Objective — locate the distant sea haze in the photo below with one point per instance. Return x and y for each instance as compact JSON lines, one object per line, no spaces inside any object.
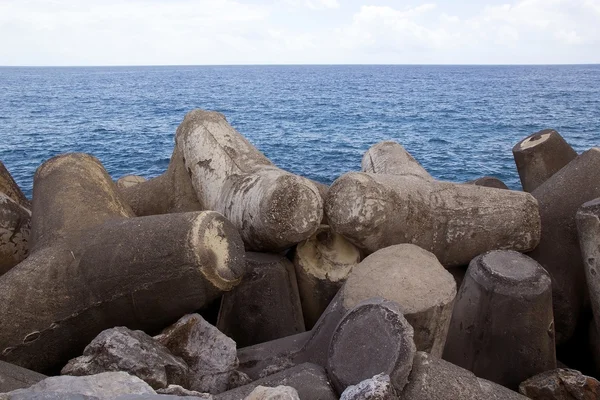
{"x":460,"y":122}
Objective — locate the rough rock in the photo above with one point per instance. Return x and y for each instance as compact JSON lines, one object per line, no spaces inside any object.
{"x":177,"y":390}
{"x":378,"y":387}
{"x":273,"y":393}
{"x":210,"y":354}
{"x":13,"y":377}
{"x":107,"y":385}
{"x":561,"y":384}
{"x":121,"y":349}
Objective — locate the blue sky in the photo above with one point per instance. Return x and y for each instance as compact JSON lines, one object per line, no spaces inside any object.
{"x":175,"y":32}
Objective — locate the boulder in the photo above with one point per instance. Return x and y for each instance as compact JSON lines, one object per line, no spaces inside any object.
{"x":561,"y":384}
{"x":13,"y":377}
{"x":273,"y":393}
{"x":176,"y":390}
{"x":378,"y":387}
{"x":15,"y":228}
{"x":134,"y":352}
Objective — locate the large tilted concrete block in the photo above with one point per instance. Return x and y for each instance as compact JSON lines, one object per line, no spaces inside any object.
{"x":434,"y":379}
{"x":272,"y":209}
{"x":404,"y":274}
{"x":93,"y":268}
{"x":373,"y":338}
{"x":15,"y":228}
{"x":127,"y":181}
{"x":170,"y":192}
{"x":390,"y":158}
{"x":13,"y":377}
{"x":456,"y":222}
{"x":541,"y":155}
{"x":323,"y":263}
{"x":488,"y":181}
{"x":502,"y":326}
{"x":558,"y":252}
{"x":309,"y":380}
{"x":588,"y":228}
{"x":265,"y":305}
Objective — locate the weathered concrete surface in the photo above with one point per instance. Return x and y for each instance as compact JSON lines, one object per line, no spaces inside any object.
{"x":9,"y":187}
{"x":502,"y":326}
{"x":539,"y":156}
{"x":15,"y":228}
{"x":170,"y":192}
{"x":559,"y":252}
{"x":265,"y":305}
{"x":413,"y":278}
{"x":129,"y":181}
{"x":560,"y":384}
{"x":13,"y":377}
{"x":323,"y":263}
{"x":92,"y":268}
{"x":107,"y":385}
{"x":272,"y":209}
{"x":405,"y":274}
{"x":273,"y":393}
{"x":456,"y":222}
{"x":373,"y":338}
{"x":488,"y":181}
{"x":210,"y":354}
{"x":378,"y":387}
{"x":588,"y":229}
{"x":435,"y":379}
{"x":390,"y":158}
{"x":309,"y":380}
{"x":134,"y":352}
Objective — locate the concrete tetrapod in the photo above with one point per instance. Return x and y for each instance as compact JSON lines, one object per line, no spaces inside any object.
{"x":456,"y":222}
{"x":265,"y":305}
{"x":541,"y":155}
{"x":373,"y":338}
{"x":559,"y":252}
{"x":502,"y":326}
{"x":129,"y":181}
{"x":170,"y":192}
{"x":588,"y":228}
{"x":93,"y":268}
{"x":15,"y":228}
{"x":323,"y":263}
{"x":404,"y":274}
{"x":272,"y":209}
{"x":434,"y":379}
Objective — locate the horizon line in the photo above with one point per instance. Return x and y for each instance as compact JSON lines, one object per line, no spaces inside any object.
{"x":299,"y":65}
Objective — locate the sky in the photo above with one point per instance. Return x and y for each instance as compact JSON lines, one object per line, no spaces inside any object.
{"x":223,"y":32}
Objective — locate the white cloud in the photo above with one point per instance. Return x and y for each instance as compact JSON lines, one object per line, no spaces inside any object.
{"x":315,"y":4}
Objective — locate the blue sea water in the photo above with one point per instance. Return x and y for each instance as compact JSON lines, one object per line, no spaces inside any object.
{"x":460,"y":122}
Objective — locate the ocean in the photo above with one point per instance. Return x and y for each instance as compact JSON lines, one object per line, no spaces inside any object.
{"x":459,"y":122}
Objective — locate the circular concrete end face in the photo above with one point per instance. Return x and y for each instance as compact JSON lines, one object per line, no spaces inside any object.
{"x":371,"y":339}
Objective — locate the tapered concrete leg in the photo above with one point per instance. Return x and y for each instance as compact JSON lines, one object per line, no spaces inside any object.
{"x":558,"y":252}
{"x":390,"y":158}
{"x":456,"y":222}
{"x":323,"y":263}
{"x":374,"y":337}
{"x":272,"y":209}
{"x":502,"y":327}
{"x":13,"y":377}
{"x":266,"y":305}
{"x":435,"y":379}
{"x":129,"y":181}
{"x":488,"y":181}
{"x":9,"y":187}
{"x":15,"y":227}
{"x":588,"y":228}
{"x":92,"y":268}
{"x":541,"y":155}
{"x":404,"y":274}
{"x":170,"y":192}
